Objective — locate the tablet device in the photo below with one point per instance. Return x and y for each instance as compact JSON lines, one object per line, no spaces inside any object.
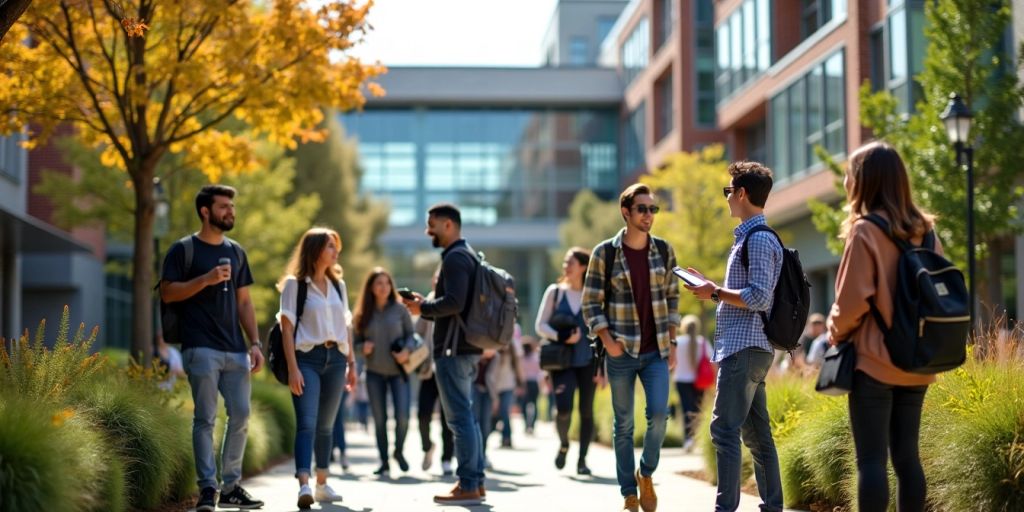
{"x":687,"y":277}
{"x":406,"y":294}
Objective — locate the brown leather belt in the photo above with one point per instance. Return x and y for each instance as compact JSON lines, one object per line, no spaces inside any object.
{"x":330,"y":344}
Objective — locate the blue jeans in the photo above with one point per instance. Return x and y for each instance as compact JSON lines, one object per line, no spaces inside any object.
{"x":483,"y":405}
{"x":455,"y":376}
{"x":505,"y":401}
{"x":339,"y":423}
{"x":377,"y":387}
{"x":622,"y":373}
{"x":211,"y":371}
{"x":741,"y":409}
{"x":323,"y":375}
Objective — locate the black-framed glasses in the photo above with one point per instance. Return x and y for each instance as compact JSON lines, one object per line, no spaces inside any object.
{"x":644,"y":209}
{"x":728,"y":190}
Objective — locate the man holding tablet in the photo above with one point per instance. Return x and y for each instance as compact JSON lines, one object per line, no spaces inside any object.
{"x":742,"y":350}
{"x":631,"y":303}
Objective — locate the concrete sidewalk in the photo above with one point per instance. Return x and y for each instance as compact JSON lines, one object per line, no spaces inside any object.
{"x":524,"y":478}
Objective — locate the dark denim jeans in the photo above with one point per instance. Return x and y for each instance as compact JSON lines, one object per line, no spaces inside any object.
{"x":339,"y":423}
{"x":211,"y":371}
{"x":323,"y":373}
{"x":455,"y":376}
{"x":741,"y":408}
{"x":483,"y":407}
{"x":377,"y":387}
{"x":622,"y":374}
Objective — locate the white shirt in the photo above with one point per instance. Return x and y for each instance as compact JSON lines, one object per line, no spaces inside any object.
{"x":325,"y":317}
{"x":686,"y":370}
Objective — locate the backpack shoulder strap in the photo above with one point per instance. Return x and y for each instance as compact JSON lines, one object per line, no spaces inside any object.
{"x":745,"y":255}
{"x":903,"y":245}
{"x":239,"y":253}
{"x":190,"y":250}
{"x":610,"y":253}
{"x":662,"y":247}
{"x":300,"y":302}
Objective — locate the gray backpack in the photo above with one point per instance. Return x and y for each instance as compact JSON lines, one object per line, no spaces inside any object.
{"x":491,"y":317}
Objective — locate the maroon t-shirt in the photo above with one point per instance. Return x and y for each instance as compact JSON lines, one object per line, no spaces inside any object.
{"x":640,"y":275}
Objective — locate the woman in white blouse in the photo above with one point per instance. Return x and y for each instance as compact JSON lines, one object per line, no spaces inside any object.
{"x":318,"y":351}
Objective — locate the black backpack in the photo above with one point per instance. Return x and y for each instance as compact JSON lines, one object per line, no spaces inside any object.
{"x":169,"y":315}
{"x":792,"y":297}
{"x":275,"y":344}
{"x":931,"y":308}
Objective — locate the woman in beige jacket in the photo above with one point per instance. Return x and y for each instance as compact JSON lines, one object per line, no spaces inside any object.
{"x":885,"y":402}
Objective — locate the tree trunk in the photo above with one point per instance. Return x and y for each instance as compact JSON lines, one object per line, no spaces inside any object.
{"x":10,"y":11}
{"x":142,"y":263}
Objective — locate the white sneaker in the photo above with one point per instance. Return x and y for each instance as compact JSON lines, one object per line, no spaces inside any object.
{"x":446,"y":468}
{"x":305,"y":497}
{"x":324,"y":494}
{"x":428,"y":457}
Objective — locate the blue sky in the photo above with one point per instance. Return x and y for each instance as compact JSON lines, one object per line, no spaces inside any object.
{"x":457,"y":32}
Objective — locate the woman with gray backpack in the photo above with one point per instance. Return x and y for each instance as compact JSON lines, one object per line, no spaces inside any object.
{"x":884,"y":233}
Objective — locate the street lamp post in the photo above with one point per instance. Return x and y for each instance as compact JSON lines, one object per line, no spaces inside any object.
{"x":957,"y":118}
{"x":160,"y":229}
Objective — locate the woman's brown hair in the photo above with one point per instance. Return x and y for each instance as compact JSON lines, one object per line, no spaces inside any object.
{"x":303,"y":261}
{"x":367,"y":304}
{"x":879,"y":182}
{"x":582,"y":256}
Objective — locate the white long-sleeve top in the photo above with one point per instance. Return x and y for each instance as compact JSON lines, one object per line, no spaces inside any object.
{"x":575,"y":298}
{"x":324,"y":318}
{"x":686,"y":367}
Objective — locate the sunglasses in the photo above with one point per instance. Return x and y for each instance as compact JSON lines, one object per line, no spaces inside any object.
{"x":643,"y":209}
{"x":728,"y":190}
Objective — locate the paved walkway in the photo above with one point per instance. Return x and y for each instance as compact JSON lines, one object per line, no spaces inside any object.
{"x":524,"y":478}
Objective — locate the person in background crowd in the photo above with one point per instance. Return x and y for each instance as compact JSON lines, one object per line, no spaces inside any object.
{"x":508,"y":382}
{"x":531,"y":376}
{"x":214,"y":306}
{"x":885,"y":402}
{"x":170,"y":358}
{"x":428,"y":399}
{"x":691,"y":347}
{"x":384,"y":334}
{"x":318,"y":352}
{"x":565,"y":297}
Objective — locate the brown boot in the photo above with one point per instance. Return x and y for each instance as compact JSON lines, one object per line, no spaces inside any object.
{"x":459,"y":497}
{"x":483,"y":493}
{"x":631,"y":504}
{"x":648,"y":499}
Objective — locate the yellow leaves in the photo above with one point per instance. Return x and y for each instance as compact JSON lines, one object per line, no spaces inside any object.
{"x":216,"y":153}
{"x":134,"y":27}
{"x":375,"y":89}
{"x":62,"y":416}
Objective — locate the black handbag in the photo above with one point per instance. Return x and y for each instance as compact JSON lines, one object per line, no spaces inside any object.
{"x":556,"y":355}
{"x":836,"y":376}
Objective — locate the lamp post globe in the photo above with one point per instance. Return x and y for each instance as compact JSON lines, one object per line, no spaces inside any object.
{"x":957,"y":119}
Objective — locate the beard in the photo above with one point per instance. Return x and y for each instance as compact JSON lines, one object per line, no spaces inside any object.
{"x":224,"y":223}
{"x":435,"y":240}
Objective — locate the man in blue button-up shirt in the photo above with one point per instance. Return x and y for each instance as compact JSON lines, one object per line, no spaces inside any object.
{"x":742,"y":350}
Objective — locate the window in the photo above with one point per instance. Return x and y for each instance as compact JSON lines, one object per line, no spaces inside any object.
{"x":809,"y":113}
{"x":814,"y":14}
{"x":757,"y":140}
{"x":635,"y":134}
{"x":579,"y":51}
{"x":604,"y":27}
{"x":877,"y":55}
{"x":743,"y":47}
{"x":12,"y":157}
{"x":636,"y":50}
{"x":665,"y":104}
{"x":667,"y":20}
{"x":705,"y":64}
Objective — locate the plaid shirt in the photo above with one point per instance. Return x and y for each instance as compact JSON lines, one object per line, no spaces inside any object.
{"x":624,"y":323}
{"x":740,"y":328}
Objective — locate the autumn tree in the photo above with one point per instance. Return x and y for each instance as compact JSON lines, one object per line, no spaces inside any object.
{"x":160,"y":77}
{"x":695,"y":219}
{"x":331,"y":170}
{"x":10,"y":11}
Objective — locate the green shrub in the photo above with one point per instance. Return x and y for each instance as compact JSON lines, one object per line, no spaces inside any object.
{"x":972,"y":438}
{"x":278,"y":401}
{"x":828,"y":443}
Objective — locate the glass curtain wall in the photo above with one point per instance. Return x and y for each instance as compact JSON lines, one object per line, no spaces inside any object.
{"x":744,"y":46}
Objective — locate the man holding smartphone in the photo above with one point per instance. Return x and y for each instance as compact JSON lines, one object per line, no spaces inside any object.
{"x":207,"y":275}
{"x":631,"y":303}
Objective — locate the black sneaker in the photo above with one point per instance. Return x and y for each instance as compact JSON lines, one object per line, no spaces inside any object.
{"x":207,"y":500}
{"x":402,"y":463}
{"x":239,"y":498}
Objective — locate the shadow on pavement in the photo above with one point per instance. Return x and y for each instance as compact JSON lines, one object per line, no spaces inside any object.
{"x":602,"y":480}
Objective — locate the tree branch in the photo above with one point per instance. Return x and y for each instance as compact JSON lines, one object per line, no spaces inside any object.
{"x":10,"y":11}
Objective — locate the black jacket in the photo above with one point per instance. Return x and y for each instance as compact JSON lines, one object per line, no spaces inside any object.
{"x":451,"y":297}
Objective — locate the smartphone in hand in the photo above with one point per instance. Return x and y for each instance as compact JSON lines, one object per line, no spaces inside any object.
{"x":406,"y":293}
{"x":687,"y":277}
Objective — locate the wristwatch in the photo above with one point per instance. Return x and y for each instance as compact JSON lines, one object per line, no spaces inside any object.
{"x":256,"y":344}
{"x":714,"y":296}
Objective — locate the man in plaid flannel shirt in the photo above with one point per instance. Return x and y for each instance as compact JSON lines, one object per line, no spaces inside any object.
{"x":637,"y":324}
{"x":742,"y":350}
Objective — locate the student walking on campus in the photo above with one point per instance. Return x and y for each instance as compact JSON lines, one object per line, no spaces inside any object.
{"x":531,"y":378}
{"x":565,"y":298}
{"x":631,"y":303}
{"x":206,"y":278}
{"x":885,"y":401}
{"x":428,"y":399}
{"x":384,"y":334}
{"x":691,"y":349}
{"x":321,"y":362}
{"x":455,"y":359}
{"x":742,"y":351}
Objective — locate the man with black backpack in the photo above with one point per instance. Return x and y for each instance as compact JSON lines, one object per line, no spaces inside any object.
{"x":631,"y":305}
{"x":743,"y":350}
{"x":455,"y":359}
{"x":205,"y":283}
